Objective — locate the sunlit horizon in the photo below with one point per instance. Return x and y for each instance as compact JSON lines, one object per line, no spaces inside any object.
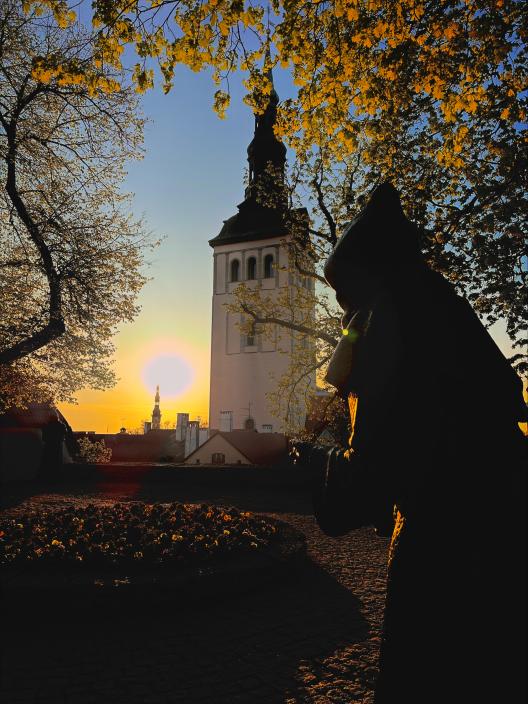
{"x":180,"y":368}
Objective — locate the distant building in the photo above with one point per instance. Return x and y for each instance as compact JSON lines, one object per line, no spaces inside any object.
{"x":246,"y":447}
{"x":32,"y":438}
{"x":182,"y":422}
{"x":194,"y":436}
{"x":154,"y":446}
{"x":156,"y":413}
{"x":226,"y":421}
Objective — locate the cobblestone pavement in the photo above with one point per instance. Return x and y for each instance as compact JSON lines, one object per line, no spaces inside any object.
{"x":312,"y":639}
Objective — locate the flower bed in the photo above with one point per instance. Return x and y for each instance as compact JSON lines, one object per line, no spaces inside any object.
{"x":134,"y":535}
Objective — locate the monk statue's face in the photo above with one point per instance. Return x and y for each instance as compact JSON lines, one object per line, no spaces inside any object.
{"x":359,"y":290}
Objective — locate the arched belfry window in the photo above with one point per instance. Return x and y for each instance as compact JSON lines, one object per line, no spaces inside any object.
{"x":251,"y":269}
{"x":235,"y":270}
{"x":269,"y":269}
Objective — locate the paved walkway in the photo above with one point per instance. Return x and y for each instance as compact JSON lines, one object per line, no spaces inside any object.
{"x":314,"y":639}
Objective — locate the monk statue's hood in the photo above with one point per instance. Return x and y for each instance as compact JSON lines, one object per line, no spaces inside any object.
{"x":380,"y":241}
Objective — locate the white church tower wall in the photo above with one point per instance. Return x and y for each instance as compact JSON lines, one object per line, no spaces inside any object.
{"x":242,"y":369}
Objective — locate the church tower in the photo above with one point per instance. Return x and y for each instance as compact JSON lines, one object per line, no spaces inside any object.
{"x":251,"y":248}
{"x":156,"y":413}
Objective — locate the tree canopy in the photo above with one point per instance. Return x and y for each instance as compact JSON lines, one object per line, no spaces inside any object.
{"x":429,"y":94}
{"x":71,"y":255}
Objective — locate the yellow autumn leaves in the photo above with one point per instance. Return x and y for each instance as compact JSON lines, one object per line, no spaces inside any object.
{"x":356,"y":64}
{"x":63,"y":15}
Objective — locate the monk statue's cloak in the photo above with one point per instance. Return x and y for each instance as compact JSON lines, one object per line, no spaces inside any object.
{"x":435,"y":446}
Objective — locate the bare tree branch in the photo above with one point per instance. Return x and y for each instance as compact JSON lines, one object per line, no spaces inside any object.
{"x":316,"y":183}
{"x":270,"y":319}
{"x":54,"y":326}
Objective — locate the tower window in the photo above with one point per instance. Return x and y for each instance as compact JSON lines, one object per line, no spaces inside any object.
{"x":250,"y":337}
{"x":251,"y":269}
{"x":269,"y":269}
{"x":235,"y":270}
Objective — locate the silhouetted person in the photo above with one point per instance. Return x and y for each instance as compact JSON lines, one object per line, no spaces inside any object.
{"x":435,"y":409}
{"x":53,"y":434}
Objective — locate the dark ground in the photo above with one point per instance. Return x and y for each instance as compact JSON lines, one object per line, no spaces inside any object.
{"x":313,"y":637}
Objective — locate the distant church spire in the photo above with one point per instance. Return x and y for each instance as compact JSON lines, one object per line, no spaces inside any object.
{"x":156,"y":413}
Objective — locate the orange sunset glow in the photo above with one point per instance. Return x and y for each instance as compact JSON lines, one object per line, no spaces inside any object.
{"x":181,"y":370}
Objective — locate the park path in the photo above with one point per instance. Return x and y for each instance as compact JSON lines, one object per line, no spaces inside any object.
{"x":313,"y":638}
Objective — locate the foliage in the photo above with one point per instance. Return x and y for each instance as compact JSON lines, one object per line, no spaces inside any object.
{"x":71,"y":254}
{"x":132,"y":534}
{"x":93,"y":451}
{"x":428,"y":94}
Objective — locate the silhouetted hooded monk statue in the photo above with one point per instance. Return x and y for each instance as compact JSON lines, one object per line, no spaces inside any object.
{"x":434,"y":414}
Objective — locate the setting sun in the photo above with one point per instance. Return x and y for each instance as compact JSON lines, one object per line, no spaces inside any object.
{"x":171,"y":371}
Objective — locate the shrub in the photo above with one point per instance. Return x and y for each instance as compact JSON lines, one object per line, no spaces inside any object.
{"x":94,"y":451}
{"x":138,"y":533}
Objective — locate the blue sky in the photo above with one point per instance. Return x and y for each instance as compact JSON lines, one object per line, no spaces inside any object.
{"x":191,"y":179}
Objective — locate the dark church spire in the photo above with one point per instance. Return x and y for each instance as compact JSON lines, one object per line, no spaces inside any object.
{"x":261,"y":213}
{"x":265,"y":148}
{"x":156,"y":413}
